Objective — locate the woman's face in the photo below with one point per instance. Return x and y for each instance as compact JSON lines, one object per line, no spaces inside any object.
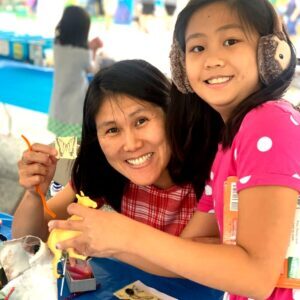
{"x":221,"y":59}
{"x":132,"y":136}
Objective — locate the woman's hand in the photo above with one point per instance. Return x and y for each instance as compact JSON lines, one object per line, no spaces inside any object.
{"x":103,"y":233}
{"x":37,"y":167}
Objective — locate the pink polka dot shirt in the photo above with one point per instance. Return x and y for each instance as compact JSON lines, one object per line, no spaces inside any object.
{"x":265,"y":151}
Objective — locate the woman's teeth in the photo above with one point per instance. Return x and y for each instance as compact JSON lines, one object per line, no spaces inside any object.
{"x":218,"y":80}
{"x":140,"y":160}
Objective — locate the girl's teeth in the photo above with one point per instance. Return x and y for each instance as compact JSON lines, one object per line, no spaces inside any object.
{"x":140,"y":160}
{"x":218,"y":80}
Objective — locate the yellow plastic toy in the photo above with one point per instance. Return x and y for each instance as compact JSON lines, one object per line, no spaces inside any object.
{"x":58,"y":235}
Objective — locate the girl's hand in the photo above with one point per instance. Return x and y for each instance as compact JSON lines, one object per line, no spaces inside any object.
{"x":37,"y":167}
{"x":103,"y":233}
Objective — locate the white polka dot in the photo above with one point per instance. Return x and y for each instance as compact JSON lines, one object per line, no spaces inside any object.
{"x":296,"y":175}
{"x":212,"y":211}
{"x":235,"y":153}
{"x":208,"y":190}
{"x":264,"y":144}
{"x":245,"y":179}
{"x":212,"y":175}
{"x":294,"y":121}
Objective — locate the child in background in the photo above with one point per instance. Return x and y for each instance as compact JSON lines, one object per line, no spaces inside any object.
{"x":231,"y":61}
{"x":74,"y":57}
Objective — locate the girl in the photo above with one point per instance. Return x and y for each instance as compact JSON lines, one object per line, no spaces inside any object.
{"x":74,"y":57}
{"x":231,"y":61}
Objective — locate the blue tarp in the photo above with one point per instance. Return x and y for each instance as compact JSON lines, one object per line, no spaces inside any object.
{"x":25,"y":85}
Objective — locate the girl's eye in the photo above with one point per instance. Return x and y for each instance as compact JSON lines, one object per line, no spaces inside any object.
{"x":197,"y":49}
{"x":141,"y":121}
{"x":230,"y":42}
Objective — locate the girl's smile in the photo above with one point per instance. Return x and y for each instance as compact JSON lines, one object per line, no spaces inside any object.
{"x":218,"y":81}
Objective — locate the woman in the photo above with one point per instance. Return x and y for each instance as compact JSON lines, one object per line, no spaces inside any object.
{"x":123,"y":157}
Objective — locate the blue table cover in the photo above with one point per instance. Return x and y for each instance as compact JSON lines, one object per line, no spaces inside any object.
{"x":112,"y":275}
{"x":5,"y":228}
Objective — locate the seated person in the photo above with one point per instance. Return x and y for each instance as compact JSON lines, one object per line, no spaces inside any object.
{"x":123,"y":158}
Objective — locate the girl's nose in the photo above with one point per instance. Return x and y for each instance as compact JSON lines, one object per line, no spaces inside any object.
{"x":213,"y":60}
{"x":132,"y":142}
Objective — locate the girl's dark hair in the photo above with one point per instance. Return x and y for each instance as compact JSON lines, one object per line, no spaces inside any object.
{"x":73,"y":28}
{"x":138,"y":79}
{"x":194,"y":141}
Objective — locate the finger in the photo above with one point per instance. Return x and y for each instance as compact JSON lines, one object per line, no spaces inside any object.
{"x":30,"y":182}
{"x":46,"y":149}
{"x":74,"y":225}
{"x":78,"y":210}
{"x":67,"y":244}
{"x":76,"y":244}
{"x":72,"y":261}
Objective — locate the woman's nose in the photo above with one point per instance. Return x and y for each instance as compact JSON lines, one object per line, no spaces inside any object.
{"x":132,"y":142}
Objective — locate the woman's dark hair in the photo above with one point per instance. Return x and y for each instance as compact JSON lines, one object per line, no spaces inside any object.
{"x":138,"y":79}
{"x":195,"y":129}
{"x":73,"y":28}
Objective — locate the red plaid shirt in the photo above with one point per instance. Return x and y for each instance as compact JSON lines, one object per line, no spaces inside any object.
{"x":168,"y":210}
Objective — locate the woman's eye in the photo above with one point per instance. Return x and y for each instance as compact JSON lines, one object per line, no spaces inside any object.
{"x":230,"y":42}
{"x":141,"y":121}
{"x":113,"y":130}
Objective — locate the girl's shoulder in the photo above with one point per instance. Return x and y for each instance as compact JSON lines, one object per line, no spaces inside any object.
{"x":272,"y":113}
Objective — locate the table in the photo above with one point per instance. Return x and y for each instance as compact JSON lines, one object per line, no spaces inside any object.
{"x":5,"y":228}
{"x":113,"y":275}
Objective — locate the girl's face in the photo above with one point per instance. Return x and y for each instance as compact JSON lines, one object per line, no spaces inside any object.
{"x":132,"y":136}
{"x":221,"y":59}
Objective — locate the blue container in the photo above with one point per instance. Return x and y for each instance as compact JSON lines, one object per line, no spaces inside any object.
{"x":37,"y":47}
{"x":20,"y":48}
{"x":5,"y":46}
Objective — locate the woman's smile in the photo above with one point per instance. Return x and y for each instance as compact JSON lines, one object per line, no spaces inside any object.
{"x":140,"y":161}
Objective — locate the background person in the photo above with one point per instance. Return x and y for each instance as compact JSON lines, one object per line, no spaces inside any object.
{"x":74,"y":57}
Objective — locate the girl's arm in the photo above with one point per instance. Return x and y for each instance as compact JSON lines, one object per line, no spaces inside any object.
{"x":203,"y":228}
{"x":250,"y":268}
{"x":205,"y":231}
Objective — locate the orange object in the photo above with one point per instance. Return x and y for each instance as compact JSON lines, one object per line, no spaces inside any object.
{"x":37,"y":188}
